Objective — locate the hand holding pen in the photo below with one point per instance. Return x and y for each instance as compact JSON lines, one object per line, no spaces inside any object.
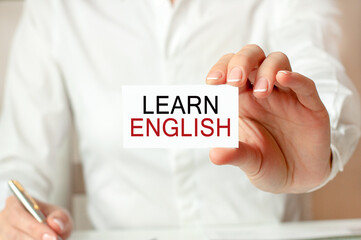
{"x":23,"y":218}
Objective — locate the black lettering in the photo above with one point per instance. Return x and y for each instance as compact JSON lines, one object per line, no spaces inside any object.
{"x":190,"y":104}
{"x":161,"y":104}
{"x":144,"y":106}
{"x":178,"y":100}
{"x":214,"y":108}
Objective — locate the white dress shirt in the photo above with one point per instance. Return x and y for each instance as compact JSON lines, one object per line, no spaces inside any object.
{"x":70,"y":59}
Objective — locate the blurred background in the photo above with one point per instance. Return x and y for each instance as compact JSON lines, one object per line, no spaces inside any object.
{"x":341,"y":198}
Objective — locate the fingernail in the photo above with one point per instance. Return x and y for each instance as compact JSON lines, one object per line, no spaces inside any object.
{"x":235,"y":75}
{"x":216,"y":75}
{"x":48,"y":237}
{"x":284,"y":72}
{"x":59,"y":223}
{"x":261,"y":85}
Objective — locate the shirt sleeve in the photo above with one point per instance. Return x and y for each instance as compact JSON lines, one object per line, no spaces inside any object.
{"x":307,"y":31}
{"x":35,"y":119}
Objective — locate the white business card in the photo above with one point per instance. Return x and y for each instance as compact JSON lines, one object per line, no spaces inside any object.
{"x":178,"y":116}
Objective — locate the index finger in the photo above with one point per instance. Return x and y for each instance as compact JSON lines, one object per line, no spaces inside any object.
{"x":249,"y":58}
{"x":20,"y":218}
{"x":217,"y":74}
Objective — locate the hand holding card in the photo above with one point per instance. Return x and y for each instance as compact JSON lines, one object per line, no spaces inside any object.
{"x":284,"y":129}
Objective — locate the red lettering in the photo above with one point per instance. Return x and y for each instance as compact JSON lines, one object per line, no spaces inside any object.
{"x":196,"y":127}
{"x":132,"y":127}
{"x":149,"y":123}
{"x":185,"y":134}
{"x":228,"y":126}
{"x":173,"y":128}
{"x":207,"y":126}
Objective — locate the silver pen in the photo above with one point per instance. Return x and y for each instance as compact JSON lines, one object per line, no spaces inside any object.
{"x":28,"y":202}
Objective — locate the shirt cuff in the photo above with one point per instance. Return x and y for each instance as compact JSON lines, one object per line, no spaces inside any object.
{"x":337,"y":166}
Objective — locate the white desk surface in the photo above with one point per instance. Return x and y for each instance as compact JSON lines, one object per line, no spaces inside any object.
{"x":301,"y":230}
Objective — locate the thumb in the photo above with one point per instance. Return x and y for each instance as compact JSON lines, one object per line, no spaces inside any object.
{"x":60,"y":221}
{"x":246,"y":157}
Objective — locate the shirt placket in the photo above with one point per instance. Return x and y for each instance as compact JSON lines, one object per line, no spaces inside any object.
{"x":183,"y":168}
{"x":182,"y":161}
{"x":163,"y":13}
